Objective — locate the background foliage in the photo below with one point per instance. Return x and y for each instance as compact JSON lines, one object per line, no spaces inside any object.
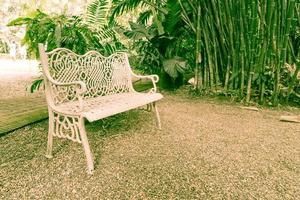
{"x":78,"y":33}
{"x":246,"y":49}
{"x":249,"y":49}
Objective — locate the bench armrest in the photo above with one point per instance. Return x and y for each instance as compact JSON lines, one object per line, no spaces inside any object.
{"x":80,"y":88}
{"x":154,"y":78}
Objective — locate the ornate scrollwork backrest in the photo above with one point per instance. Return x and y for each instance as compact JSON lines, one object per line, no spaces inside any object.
{"x":102,"y":75}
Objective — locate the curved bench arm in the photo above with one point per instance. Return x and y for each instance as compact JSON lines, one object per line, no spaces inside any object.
{"x":80,"y":88}
{"x":154,"y":78}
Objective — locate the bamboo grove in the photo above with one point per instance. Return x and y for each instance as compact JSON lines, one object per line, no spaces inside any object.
{"x":244,"y":46}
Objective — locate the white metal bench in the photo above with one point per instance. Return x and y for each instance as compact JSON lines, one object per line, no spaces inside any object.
{"x":89,"y":86}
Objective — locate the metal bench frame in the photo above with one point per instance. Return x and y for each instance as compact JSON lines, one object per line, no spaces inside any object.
{"x":91,"y":87}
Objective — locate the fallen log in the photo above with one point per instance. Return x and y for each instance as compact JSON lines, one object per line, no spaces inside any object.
{"x":294,"y":119}
{"x":250,"y":108}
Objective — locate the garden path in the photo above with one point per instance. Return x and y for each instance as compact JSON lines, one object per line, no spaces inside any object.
{"x":20,"y":111}
{"x":18,"y":107}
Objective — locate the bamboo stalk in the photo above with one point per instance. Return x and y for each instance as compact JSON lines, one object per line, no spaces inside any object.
{"x":287,"y":13}
{"x":242,"y":41}
{"x":198,"y":59}
{"x":253,"y":26}
{"x":209,"y":56}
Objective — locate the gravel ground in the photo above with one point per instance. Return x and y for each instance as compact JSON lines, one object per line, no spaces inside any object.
{"x":206,"y":150}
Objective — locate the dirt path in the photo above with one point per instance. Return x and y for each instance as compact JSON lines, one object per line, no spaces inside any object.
{"x":205,"y":151}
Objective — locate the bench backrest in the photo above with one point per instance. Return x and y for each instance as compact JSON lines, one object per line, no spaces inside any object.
{"x":102,"y":75}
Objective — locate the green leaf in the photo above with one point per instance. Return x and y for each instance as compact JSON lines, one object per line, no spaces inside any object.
{"x":173,"y":16}
{"x":139,"y":31}
{"x":19,"y":21}
{"x":36,"y":84}
{"x":174,"y":66}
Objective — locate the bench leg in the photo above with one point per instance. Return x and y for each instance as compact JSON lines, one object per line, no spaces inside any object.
{"x":157,"y":115}
{"x":149,"y":107}
{"x":86,"y":146}
{"x":50,"y":135}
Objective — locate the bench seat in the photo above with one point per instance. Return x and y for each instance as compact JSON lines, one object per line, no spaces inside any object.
{"x":105,"y":106}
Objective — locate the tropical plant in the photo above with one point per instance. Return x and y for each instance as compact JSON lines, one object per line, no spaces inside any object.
{"x":77,"y":33}
{"x":239,"y":46}
{"x":63,"y":31}
{"x":156,"y":53}
{"x":159,"y":45}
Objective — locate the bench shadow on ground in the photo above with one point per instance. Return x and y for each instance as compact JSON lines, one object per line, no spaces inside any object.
{"x":98,"y":132}
{"x":119,"y":125}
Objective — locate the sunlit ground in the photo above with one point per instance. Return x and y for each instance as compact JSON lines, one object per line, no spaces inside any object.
{"x":16,"y":77}
{"x":10,"y":68}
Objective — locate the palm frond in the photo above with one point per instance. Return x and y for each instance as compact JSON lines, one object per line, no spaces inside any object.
{"x":173,"y":16}
{"x":105,"y":33}
{"x":122,"y":6}
{"x":144,"y":17}
{"x":97,"y":12}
